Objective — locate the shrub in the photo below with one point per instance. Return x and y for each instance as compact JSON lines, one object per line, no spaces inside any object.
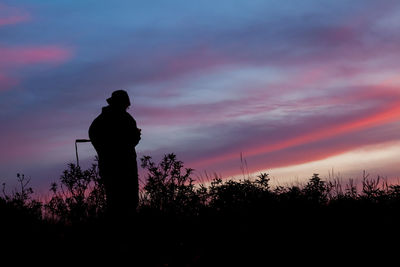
{"x":21,"y":200}
{"x":169,"y":189}
{"x":79,"y":197}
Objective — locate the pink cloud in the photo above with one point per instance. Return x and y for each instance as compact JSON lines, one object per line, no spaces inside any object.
{"x":386,"y":110}
{"x":390,"y":114}
{"x":13,"y":20}
{"x":16,"y":56}
{"x":12,"y":15}
{"x":302,"y":154}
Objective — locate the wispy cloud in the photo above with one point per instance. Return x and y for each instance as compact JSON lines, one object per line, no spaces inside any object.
{"x":11,"y":15}
{"x":20,"y":56}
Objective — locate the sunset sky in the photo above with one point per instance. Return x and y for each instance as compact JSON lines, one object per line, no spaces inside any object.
{"x":296,"y":87}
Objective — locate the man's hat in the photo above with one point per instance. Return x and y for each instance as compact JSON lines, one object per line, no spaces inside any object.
{"x":119,"y":97}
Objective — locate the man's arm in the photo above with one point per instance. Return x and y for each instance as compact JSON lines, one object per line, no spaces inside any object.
{"x":134,"y":135}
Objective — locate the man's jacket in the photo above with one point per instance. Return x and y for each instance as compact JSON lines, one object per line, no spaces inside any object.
{"x":114,"y":134}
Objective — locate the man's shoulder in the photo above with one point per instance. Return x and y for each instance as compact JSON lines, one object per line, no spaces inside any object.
{"x":129,"y":117}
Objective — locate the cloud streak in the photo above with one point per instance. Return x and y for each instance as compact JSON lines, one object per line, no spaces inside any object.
{"x":20,"y":56}
{"x":11,"y":15}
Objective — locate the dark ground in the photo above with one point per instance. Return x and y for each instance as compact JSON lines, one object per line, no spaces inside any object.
{"x":284,"y":237}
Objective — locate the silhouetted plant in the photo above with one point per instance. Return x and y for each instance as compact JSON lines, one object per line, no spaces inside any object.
{"x":351,"y":190}
{"x":393,"y":196}
{"x":169,"y":188}
{"x":21,"y":198}
{"x":316,"y":190}
{"x":79,"y":197}
{"x":224,"y":212}
{"x":287,"y":197}
{"x":263,"y":181}
{"x":242,"y":196}
{"x":371,"y":190}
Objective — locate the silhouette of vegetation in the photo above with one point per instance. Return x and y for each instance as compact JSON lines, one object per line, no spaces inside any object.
{"x":170,"y":189}
{"x":181,"y":222}
{"x":79,"y":197}
{"x":20,"y":200}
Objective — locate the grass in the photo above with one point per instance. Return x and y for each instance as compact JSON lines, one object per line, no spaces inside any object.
{"x":182,"y":223}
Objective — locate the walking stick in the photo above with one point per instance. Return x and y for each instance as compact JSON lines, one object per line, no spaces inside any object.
{"x":76,"y":148}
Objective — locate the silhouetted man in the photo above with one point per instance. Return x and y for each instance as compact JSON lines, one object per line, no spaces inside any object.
{"x":114,"y":135}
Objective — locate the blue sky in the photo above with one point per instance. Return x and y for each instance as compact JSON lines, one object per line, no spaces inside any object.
{"x":285,"y":83}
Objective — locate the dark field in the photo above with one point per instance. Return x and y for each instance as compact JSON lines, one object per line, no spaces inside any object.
{"x":178,"y":223}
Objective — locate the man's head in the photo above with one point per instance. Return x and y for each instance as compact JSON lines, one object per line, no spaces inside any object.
{"x":119,"y":99}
